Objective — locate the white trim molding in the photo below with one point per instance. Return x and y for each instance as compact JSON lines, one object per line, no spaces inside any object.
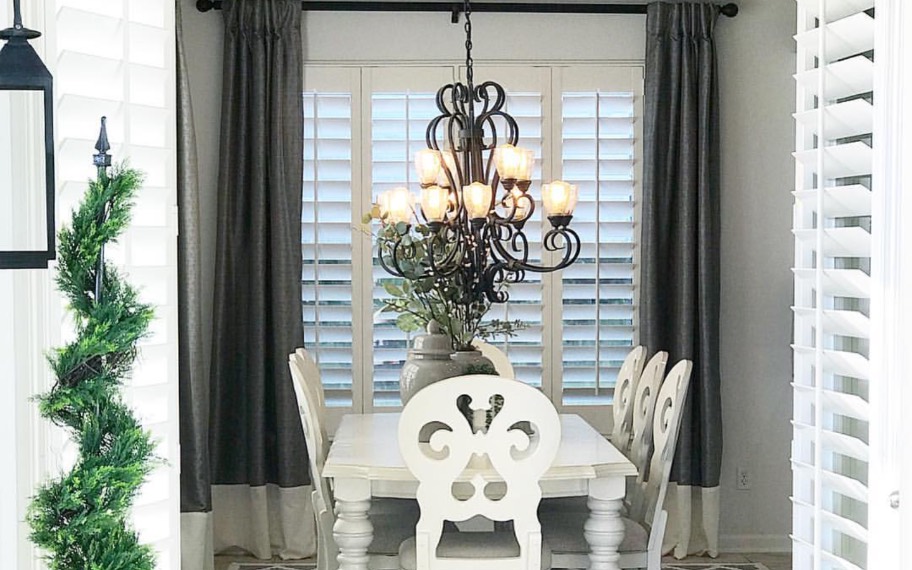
{"x":891,"y":306}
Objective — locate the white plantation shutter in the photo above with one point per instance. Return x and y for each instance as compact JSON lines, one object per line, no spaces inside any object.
{"x":599,"y":144}
{"x":327,"y":243}
{"x":125,"y":69}
{"x":528,"y":94}
{"x":832,"y":219}
{"x":402,"y":103}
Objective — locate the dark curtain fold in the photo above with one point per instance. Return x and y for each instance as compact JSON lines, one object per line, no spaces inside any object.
{"x":680,"y":243}
{"x":194,"y":386}
{"x":255,"y":432}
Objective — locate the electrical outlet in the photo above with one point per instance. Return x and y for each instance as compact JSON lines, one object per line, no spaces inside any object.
{"x":743,"y":479}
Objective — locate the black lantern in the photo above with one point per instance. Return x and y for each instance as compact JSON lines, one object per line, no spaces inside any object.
{"x":26,"y":79}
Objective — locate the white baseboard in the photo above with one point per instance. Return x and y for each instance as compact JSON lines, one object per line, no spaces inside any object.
{"x":754,"y":543}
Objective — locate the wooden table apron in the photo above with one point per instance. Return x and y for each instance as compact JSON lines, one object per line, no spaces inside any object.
{"x":364,"y":462}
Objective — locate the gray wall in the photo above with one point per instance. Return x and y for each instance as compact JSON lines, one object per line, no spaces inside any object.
{"x":756,"y":62}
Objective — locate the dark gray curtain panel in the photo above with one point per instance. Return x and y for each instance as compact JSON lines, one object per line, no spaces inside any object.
{"x":255,"y":432}
{"x":194,"y":392}
{"x":680,"y":248}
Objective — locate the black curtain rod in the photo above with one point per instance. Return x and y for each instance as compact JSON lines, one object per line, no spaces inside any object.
{"x":730,"y":9}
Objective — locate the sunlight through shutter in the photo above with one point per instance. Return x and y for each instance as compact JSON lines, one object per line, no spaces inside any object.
{"x":832,"y":223}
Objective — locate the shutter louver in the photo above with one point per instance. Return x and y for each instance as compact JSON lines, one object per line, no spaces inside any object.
{"x":125,"y":69}
{"x":832,"y":218}
{"x":598,"y":141}
{"x":326,"y":240}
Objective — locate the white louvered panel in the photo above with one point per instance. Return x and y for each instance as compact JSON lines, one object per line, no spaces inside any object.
{"x":401,"y":104}
{"x":838,"y":282}
{"x":841,"y":161}
{"x":832,"y":228}
{"x":597,"y":153}
{"x":326,"y":237}
{"x":835,"y":10}
{"x":850,"y":364}
{"x":850,"y":118}
{"x":125,"y":71}
{"x":845,"y":323}
{"x":840,"y":403}
{"x":849,"y":36}
{"x":841,"y":79}
{"x":838,"y":201}
{"x":839,"y":242}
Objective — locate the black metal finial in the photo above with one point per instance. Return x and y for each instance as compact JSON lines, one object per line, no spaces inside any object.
{"x":102,"y":159}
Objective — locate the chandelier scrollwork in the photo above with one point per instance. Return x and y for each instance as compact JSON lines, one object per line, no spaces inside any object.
{"x":475,"y":199}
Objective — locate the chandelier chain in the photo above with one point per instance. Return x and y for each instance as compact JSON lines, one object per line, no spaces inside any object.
{"x":467,"y":9}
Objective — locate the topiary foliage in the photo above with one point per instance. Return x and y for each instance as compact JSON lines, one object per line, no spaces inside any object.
{"x":80,"y":518}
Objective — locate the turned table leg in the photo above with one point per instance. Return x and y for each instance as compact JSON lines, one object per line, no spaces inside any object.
{"x":353,"y":530}
{"x":604,"y":529}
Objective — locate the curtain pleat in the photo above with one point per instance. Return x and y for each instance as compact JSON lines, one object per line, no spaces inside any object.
{"x":680,"y":256}
{"x":196,"y":497}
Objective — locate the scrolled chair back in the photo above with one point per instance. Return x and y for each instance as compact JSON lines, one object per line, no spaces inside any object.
{"x":520,"y":444}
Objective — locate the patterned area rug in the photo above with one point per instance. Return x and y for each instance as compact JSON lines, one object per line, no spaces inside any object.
{"x":272,"y":566}
{"x":713,"y":566}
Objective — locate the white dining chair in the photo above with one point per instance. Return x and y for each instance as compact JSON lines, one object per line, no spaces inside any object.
{"x":644,"y":525}
{"x":640,"y":449}
{"x":493,"y":472}
{"x":393,"y":519}
{"x":498,"y":358}
{"x":628,"y":379}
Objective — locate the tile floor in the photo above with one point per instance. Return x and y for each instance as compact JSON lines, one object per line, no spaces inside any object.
{"x":772,"y":560}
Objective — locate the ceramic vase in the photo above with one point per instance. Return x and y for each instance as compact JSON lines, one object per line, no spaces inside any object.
{"x":428,"y":361}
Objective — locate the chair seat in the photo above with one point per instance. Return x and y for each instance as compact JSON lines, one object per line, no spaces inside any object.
{"x":563,"y":531}
{"x":471,"y":545}
{"x":394,"y":521}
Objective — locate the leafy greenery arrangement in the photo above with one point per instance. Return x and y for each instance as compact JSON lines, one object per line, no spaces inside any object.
{"x":80,"y":517}
{"x":419,"y":299}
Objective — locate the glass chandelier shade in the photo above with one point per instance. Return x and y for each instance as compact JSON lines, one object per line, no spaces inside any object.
{"x":475,"y":199}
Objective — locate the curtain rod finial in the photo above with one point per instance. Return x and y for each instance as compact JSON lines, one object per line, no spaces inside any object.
{"x":730,"y":9}
{"x":204,"y":5}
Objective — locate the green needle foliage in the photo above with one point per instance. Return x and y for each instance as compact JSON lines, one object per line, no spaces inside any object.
{"x":80,"y":518}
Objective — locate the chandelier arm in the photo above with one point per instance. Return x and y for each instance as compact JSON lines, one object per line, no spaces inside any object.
{"x":449,"y":264}
{"x":571,"y":248}
{"x":391,"y":270}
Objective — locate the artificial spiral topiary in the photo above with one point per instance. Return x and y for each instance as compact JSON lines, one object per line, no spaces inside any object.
{"x":80,"y":519}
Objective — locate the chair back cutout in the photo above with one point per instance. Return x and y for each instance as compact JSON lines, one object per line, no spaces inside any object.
{"x":514,"y":451}
{"x":643,"y":410}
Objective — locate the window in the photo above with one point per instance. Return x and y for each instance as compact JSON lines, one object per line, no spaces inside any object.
{"x":363,"y":126}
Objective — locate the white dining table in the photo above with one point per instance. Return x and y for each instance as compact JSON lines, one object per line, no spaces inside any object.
{"x":364,"y":462}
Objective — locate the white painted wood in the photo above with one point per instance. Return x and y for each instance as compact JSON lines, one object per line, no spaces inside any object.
{"x":364,"y":453}
{"x":645,"y":498}
{"x":624,"y":391}
{"x":398,"y":518}
{"x":497,"y":357}
{"x":643,"y":410}
{"x":453,"y":450}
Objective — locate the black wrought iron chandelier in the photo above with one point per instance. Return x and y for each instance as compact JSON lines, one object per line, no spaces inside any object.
{"x":475,"y":199}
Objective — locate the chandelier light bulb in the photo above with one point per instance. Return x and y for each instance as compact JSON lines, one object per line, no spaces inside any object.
{"x":507,"y":159}
{"x":434,"y":203}
{"x":559,"y":198}
{"x":400,"y":204}
{"x":477,"y":198}
{"x":427,"y":162}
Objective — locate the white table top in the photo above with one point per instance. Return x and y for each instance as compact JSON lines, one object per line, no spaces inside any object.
{"x":366,"y":447}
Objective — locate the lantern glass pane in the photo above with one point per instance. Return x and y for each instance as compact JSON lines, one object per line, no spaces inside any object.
{"x":23,"y":214}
